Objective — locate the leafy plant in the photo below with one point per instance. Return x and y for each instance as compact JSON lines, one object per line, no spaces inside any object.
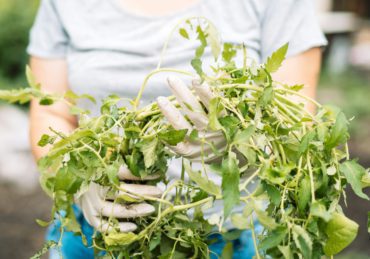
{"x":300,"y":160}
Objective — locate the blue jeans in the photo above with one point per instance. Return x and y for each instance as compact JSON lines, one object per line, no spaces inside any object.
{"x":73,"y":248}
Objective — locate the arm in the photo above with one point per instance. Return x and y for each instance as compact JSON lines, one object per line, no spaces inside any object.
{"x":52,"y":75}
{"x":303,"y":68}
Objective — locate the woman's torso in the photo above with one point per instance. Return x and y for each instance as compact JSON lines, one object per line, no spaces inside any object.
{"x":111,"y":50}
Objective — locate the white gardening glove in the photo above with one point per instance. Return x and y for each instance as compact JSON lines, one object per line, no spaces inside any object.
{"x":192,"y":108}
{"x":95,"y":204}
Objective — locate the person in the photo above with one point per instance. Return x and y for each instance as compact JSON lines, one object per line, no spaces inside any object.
{"x":105,"y":47}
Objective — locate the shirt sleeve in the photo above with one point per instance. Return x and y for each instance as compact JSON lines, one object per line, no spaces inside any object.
{"x":292,"y":21}
{"x":48,"y":38}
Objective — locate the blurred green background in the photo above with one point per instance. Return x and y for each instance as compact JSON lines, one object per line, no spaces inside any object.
{"x":345,"y":82}
{"x":16,"y":17}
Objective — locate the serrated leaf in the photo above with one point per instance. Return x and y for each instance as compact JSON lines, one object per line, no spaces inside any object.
{"x":354,"y":173}
{"x":215,"y":108}
{"x":277,"y":175}
{"x":230,"y":183}
{"x":274,"y":62}
{"x":204,"y":183}
{"x":266,"y":221}
{"x":302,"y":240}
{"x":341,"y":231}
{"x":339,"y":132}
{"x":273,"y":193}
{"x":46,"y":247}
{"x":242,"y":136}
{"x":304,"y":193}
{"x":148,"y":149}
{"x":172,"y":136}
{"x":266,"y":97}
{"x":306,"y":141}
{"x":112,"y":173}
{"x":66,"y":181}
{"x":248,"y":153}
{"x":196,"y":63}
{"x":286,"y":251}
{"x":240,"y":221}
{"x":273,"y":239}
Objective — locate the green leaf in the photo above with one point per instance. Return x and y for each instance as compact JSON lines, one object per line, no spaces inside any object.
{"x":148,"y":148}
{"x":66,"y":181}
{"x":47,"y":100}
{"x":229,"y":52}
{"x":46,"y":247}
{"x":318,"y":210}
{"x":16,"y":96}
{"x":215,"y":108}
{"x":184,"y":33}
{"x":194,"y":135}
{"x":74,"y":97}
{"x":31,"y":79}
{"x":302,"y":240}
{"x":230,"y":126}
{"x":354,"y":173}
{"x":274,"y":62}
{"x":339,"y":132}
{"x":45,"y":140}
{"x":112,"y":173}
{"x":297,"y":87}
{"x":213,"y":39}
{"x":277,"y":175}
{"x":196,"y":63}
{"x":242,"y":136}
{"x":248,"y":153}
{"x":274,"y":238}
{"x":286,"y":251}
{"x":240,"y":221}
{"x":273,"y":193}
{"x":266,"y":97}
{"x":266,"y":221}
{"x":204,"y":183}
{"x":172,"y":136}
{"x":228,"y":251}
{"x":304,"y":193}
{"x":43,"y":223}
{"x":155,"y":241}
{"x":341,"y":231}
{"x":306,"y":141}
{"x":120,"y":239}
{"x":230,"y":183}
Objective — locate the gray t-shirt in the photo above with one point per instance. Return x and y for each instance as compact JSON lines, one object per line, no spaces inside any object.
{"x":111,"y":50}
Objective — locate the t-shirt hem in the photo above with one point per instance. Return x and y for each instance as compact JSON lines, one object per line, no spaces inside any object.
{"x":44,"y":54}
{"x":306,"y":46}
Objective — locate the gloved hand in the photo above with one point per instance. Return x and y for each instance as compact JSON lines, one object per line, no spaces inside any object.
{"x":191,"y":105}
{"x":96,"y":204}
